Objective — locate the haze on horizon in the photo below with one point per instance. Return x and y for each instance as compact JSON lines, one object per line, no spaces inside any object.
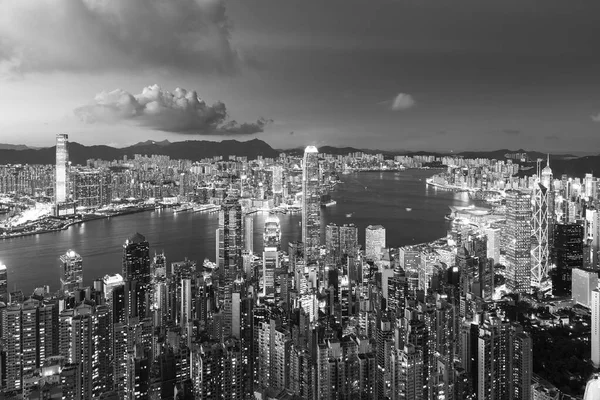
{"x":386,"y":74}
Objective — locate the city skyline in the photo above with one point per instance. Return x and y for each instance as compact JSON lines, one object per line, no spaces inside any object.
{"x":393,"y":73}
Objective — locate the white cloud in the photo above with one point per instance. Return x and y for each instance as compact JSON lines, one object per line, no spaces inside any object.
{"x":99,"y":35}
{"x":596,"y":118}
{"x":403,"y":101}
{"x":181,"y":111}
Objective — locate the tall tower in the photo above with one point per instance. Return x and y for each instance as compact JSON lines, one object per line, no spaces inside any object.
{"x":272,"y":234}
{"x":539,"y":239}
{"x":71,"y":271}
{"x":3,"y":283}
{"x":518,"y":231}
{"x":249,"y":233}
{"x":595,"y":339}
{"x":311,"y":205}
{"x":62,"y":164}
{"x":137,"y":271}
{"x":230,"y":238}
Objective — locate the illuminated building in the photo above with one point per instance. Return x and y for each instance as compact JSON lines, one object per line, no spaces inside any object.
{"x":229,"y":243}
{"x":595,"y":339}
{"x":568,"y":254}
{"x":518,"y":232}
{"x":3,"y":283}
{"x":311,"y":205}
{"x":272,"y":234}
{"x":540,"y":240}
{"x":85,"y":341}
{"x":374,"y":241}
{"x":62,"y":167}
{"x":493,"y":244}
{"x":136,"y":268}
{"x":270,"y":265}
{"x":249,"y":233}
{"x":90,"y":189}
{"x":71,"y":269}
{"x":592,"y":388}
{"x":583,"y":282}
{"x":277,"y":180}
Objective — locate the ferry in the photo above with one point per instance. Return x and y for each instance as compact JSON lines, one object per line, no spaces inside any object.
{"x":182,"y":208}
{"x":408,"y":209}
{"x":330,"y":203}
{"x":349,"y":215}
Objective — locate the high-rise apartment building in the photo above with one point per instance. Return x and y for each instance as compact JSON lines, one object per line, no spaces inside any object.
{"x":374,"y":241}
{"x":71,"y":272}
{"x":249,"y":233}
{"x":595,"y":339}
{"x":518,"y":232}
{"x":311,"y":205}
{"x":62,"y":169}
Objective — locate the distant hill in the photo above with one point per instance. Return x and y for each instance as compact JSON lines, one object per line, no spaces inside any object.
{"x":4,"y":146}
{"x":190,"y":150}
{"x":199,"y":149}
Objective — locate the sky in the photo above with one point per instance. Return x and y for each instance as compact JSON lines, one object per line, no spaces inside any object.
{"x":433,"y":75}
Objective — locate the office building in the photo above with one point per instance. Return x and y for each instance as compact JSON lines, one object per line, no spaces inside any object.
{"x":4,"y":297}
{"x":71,"y":272}
{"x":540,"y":240}
{"x":493,"y":244}
{"x":568,"y":254}
{"x":272,"y":233}
{"x":61,"y":193}
{"x":249,"y":233}
{"x":518,"y":232}
{"x":136,"y":270}
{"x":374,"y":241}
{"x":311,"y":205}
{"x":229,"y":243}
{"x":583,"y":282}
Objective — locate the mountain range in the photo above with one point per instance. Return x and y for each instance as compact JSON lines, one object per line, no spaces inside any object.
{"x":199,"y":149}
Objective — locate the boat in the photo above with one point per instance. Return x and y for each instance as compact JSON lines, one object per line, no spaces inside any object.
{"x":408,"y":209}
{"x":448,"y":217}
{"x":182,"y":208}
{"x":349,"y":215}
{"x":330,"y":203}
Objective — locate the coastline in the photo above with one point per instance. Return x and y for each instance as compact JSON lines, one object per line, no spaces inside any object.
{"x":87,"y":218}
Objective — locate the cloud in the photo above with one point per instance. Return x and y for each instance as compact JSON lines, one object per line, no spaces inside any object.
{"x":181,"y":111}
{"x":596,"y":118}
{"x":402,"y":101}
{"x":100,"y":35}
{"x":512,"y":132}
{"x":552,"y":138}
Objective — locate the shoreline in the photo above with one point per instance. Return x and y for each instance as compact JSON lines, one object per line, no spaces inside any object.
{"x":87,"y":218}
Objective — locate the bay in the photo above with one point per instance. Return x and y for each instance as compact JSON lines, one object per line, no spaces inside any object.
{"x":371,"y":197}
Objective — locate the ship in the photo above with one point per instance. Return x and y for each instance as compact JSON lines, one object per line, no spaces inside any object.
{"x":330,"y":203}
{"x":182,"y":208}
{"x":349,"y":215}
{"x":408,"y":209}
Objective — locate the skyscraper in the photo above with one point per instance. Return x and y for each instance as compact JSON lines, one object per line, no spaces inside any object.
{"x":311,"y":205}
{"x":62,"y":164}
{"x":568,"y":254}
{"x":518,"y":232}
{"x":540,"y":240}
{"x":230,"y":238}
{"x":595,"y":339}
{"x":249,"y":233}
{"x":374,"y":241}
{"x":71,"y":272}
{"x":3,"y":283}
{"x":136,"y":269}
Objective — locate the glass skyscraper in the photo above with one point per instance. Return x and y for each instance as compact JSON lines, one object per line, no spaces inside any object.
{"x":311,"y":205}
{"x":62,"y":163}
{"x":71,"y":268}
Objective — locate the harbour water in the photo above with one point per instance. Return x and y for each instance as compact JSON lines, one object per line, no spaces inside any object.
{"x":410,"y":211}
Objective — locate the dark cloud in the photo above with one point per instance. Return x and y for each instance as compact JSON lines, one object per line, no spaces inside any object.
{"x":181,"y":111}
{"x":512,"y":132}
{"x":89,"y":35}
{"x":292,"y":132}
